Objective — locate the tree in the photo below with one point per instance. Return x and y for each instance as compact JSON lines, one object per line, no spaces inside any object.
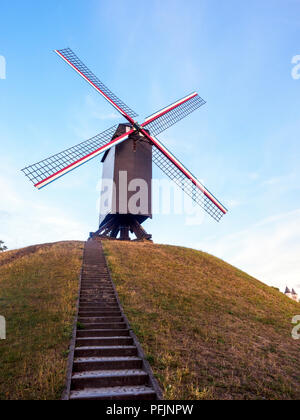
{"x":2,"y":246}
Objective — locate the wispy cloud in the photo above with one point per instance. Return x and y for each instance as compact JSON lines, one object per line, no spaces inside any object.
{"x":25,"y":221}
{"x":269,"y":250}
{"x":253,"y":176}
{"x":287,"y":181}
{"x":231,"y":203}
{"x":90,"y":116}
{"x":95,"y":110}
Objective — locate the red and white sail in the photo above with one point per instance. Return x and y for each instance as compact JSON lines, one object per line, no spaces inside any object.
{"x":48,"y":170}
{"x":176,"y":171}
{"x":173,"y":113}
{"x":72,"y":60}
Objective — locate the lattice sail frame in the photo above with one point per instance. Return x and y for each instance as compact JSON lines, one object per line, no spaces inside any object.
{"x":170,"y":115}
{"x":74,"y":61}
{"x":48,"y":170}
{"x":186,"y":185}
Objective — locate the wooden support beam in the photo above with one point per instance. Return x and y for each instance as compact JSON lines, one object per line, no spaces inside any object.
{"x":122,"y":224}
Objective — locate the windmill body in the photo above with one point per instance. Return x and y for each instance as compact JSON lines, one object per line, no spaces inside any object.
{"x":126,"y":193}
{"x":129,"y":150}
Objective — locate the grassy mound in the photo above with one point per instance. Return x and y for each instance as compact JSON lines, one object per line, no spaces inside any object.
{"x":209,"y":330}
{"x":38,"y":292}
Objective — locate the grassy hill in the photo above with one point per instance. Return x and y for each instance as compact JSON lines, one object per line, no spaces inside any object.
{"x":209,"y":330}
{"x":38,"y":292}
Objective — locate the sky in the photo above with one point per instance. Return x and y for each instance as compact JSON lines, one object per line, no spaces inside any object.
{"x":242,"y":57}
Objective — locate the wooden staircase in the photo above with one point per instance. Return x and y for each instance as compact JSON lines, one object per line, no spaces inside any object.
{"x":106,"y":361}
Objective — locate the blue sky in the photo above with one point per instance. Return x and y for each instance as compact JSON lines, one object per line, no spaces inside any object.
{"x":243,"y":144}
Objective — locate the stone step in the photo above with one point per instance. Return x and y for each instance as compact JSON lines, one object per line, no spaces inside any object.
{"x":97,"y":294}
{"x":96,"y":286}
{"x":108,"y":378}
{"x":104,"y":325}
{"x":100,"y":280}
{"x":99,"y":304}
{"x":104,"y":341}
{"x":99,"y":319}
{"x":99,"y":298}
{"x":99,"y":351}
{"x":106,"y":363}
{"x":97,"y":290}
{"x":96,"y":279}
{"x":92,"y":307}
{"x":93,"y":298}
{"x":115,"y":393}
{"x":103,"y":333}
{"x":103,"y":312}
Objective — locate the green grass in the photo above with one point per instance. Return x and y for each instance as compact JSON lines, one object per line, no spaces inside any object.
{"x":38,"y":292}
{"x":209,"y":330}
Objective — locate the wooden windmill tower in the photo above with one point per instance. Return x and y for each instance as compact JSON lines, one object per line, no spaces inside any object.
{"x":129,"y":150}
{"x":128,"y":163}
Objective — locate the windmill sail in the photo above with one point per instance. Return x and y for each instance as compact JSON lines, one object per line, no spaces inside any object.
{"x":176,"y":171}
{"x":71,"y":58}
{"x":48,"y":170}
{"x":165,"y":118}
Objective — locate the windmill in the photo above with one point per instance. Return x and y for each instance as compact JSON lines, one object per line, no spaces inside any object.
{"x":128,"y":149}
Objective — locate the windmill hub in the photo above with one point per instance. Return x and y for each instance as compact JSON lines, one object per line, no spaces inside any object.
{"x":137,"y":126}
{"x":128,"y":148}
